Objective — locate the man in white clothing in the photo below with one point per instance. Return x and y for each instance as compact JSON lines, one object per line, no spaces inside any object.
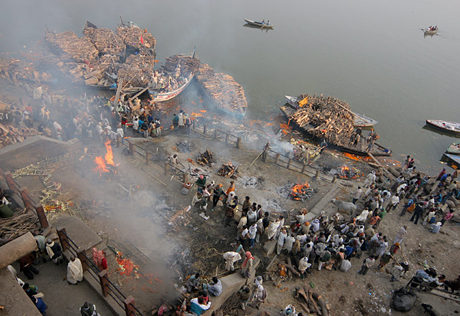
{"x":74,"y":271}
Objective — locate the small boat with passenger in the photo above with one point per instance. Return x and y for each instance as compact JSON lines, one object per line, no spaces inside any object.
{"x":262,"y":24}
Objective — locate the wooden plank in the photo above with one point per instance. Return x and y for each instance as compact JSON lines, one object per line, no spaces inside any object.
{"x":445,"y":295}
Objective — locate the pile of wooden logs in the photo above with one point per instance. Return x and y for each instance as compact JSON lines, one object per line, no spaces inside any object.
{"x":325,"y":118}
{"x":136,"y":37}
{"x":206,"y":158}
{"x":228,"y":171}
{"x":311,"y":302}
{"x":188,"y":64}
{"x":11,"y":135}
{"x":21,"y":223}
{"x":225,"y":92}
{"x":70,"y":47}
{"x":137,"y":70}
{"x":180,"y":218}
{"x":15,"y":69}
{"x":105,"y":40}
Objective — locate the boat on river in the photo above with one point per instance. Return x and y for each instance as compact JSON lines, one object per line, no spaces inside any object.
{"x":259,"y":24}
{"x":339,"y":142}
{"x":359,"y":120}
{"x":432,"y":30}
{"x":453,"y":159}
{"x":446,"y":126}
{"x":166,"y":96}
{"x":454,"y":149}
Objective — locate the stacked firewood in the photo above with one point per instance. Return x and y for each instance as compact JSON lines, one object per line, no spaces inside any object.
{"x":137,"y":70}
{"x":311,"y":302}
{"x":206,"y":158}
{"x":15,"y":69}
{"x":70,"y":47}
{"x":105,"y":40}
{"x":180,"y":218}
{"x":11,"y":135}
{"x":222,"y":89}
{"x":228,"y":171}
{"x":325,"y":117}
{"x":188,"y":64}
{"x":22,"y":222}
{"x":134,"y":36}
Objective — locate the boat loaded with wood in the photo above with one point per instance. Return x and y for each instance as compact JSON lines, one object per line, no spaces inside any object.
{"x":446,"y":126}
{"x":225,"y":94}
{"x":262,"y":24}
{"x":359,"y":120}
{"x":327,"y":118}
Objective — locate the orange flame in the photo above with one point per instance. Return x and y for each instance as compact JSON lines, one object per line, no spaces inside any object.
{"x":102,"y":163}
{"x":196,"y":114}
{"x":203,"y":111}
{"x":109,"y":154}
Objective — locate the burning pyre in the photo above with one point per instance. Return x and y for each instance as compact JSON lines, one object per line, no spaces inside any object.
{"x":297,"y":192}
{"x":228,"y":171}
{"x":106,"y":164}
{"x":345,"y":172}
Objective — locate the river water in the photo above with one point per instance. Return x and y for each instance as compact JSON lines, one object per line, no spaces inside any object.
{"x":371,"y":54}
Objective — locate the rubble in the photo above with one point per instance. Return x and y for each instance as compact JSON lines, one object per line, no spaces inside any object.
{"x":185,"y":146}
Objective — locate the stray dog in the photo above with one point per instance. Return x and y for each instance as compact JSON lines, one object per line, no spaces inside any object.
{"x":429,"y":310}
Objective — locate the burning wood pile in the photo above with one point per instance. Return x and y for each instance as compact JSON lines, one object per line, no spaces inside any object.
{"x":297,"y":192}
{"x":311,"y":302}
{"x":14,"y":69}
{"x":21,"y":223}
{"x":105,"y":165}
{"x":206,"y":158}
{"x":188,"y":64}
{"x":126,"y":266}
{"x":11,"y":135}
{"x":226,"y":93}
{"x":345,"y":172}
{"x":325,"y":117}
{"x":180,"y":218}
{"x":228,"y":171}
{"x":71,"y":47}
{"x":105,"y":40}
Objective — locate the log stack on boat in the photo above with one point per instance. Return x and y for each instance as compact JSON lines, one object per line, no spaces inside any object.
{"x":223,"y":90}
{"x":329,"y":119}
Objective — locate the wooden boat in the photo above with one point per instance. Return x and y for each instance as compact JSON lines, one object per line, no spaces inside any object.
{"x":454,"y":149}
{"x":446,"y":126}
{"x":430,"y":32}
{"x":359,"y":120}
{"x":259,"y":24}
{"x":166,"y":96}
{"x":359,"y":150}
{"x":454,"y":159}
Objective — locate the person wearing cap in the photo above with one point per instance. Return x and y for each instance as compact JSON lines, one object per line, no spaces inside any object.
{"x":54,"y":251}
{"x":89,"y":309}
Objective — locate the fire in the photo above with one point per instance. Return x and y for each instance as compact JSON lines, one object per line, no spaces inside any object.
{"x":196,"y":114}
{"x":109,"y":154}
{"x":298,"y":190}
{"x":103,"y":162}
{"x":203,"y":111}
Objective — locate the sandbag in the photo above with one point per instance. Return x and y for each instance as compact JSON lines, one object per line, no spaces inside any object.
{"x":403,"y":300}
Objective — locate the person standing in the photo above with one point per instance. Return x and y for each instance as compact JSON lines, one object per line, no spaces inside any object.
{"x":357,"y":195}
{"x":367,"y":264}
{"x":401,"y":235}
{"x":54,"y":251}
{"x":230,"y":258}
{"x":259,"y":297}
{"x":26,"y":266}
{"x":231,"y":187}
{"x":418,"y":211}
{"x":245,"y":295}
{"x":447,"y":217}
{"x":89,"y":309}
{"x":74,"y":270}
{"x":216,"y":195}
{"x":247,"y":265}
